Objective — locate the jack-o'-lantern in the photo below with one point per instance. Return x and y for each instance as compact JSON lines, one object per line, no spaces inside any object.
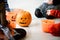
{"x":11,"y":16}
{"x":23,"y":18}
{"x":46,"y":24}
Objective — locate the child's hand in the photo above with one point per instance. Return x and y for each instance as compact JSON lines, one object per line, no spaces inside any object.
{"x":48,"y":12}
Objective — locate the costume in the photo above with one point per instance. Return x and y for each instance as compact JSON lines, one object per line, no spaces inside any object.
{"x":42,"y":9}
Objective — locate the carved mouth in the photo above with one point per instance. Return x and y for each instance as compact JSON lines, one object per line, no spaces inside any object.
{"x":13,"y":20}
{"x":22,"y":22}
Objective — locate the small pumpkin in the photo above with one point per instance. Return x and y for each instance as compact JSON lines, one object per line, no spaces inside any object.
{"x":23,"y":18}
{"x":11,"y":16}
{"x":46,"y":24}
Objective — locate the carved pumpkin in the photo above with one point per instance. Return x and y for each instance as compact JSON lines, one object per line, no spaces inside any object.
{"x":11,"y":16}
{"x":23,"y":18}
{"x":46,"y":24}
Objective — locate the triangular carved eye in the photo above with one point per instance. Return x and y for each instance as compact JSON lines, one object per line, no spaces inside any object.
{"x":13,"y":17}
{"x":21,"y":18}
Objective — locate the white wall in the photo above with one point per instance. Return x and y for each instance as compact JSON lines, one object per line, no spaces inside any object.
{"x":29,"y":5}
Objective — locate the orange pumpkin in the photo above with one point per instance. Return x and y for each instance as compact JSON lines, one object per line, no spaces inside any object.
{"x":46,"y":24}
{"x":11,"y":16}
{"x":23,"y":18}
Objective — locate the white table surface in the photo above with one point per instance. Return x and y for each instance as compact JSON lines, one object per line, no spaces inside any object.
{"x":34,"y":31}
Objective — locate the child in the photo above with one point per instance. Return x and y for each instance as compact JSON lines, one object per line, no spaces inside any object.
{"x":41,"y":11}
{"x":56,"y":11}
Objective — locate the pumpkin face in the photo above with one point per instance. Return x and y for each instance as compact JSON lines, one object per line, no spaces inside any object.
{"x":23,"y":18}
{"x":11,"y":16}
